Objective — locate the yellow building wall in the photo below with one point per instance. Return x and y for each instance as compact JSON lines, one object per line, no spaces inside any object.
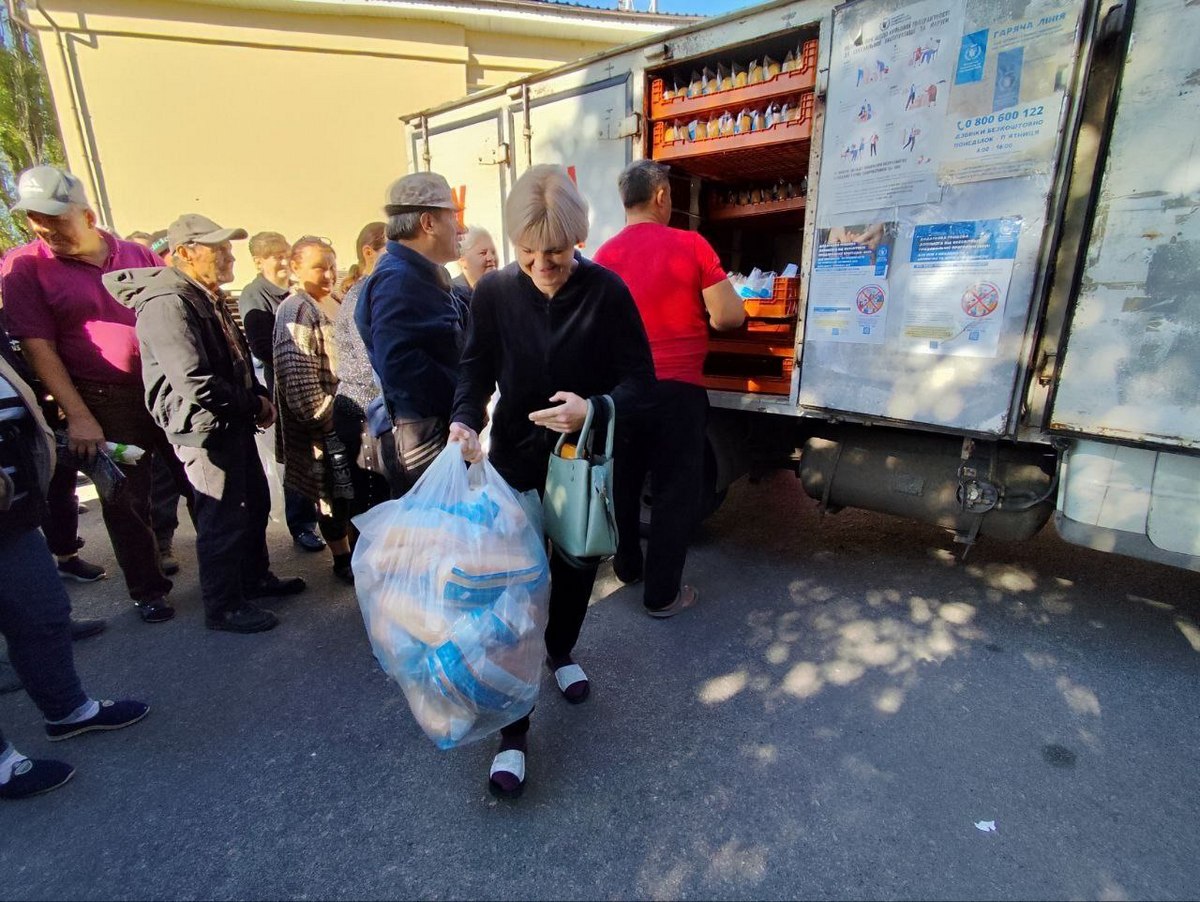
{"x":255,"y":118}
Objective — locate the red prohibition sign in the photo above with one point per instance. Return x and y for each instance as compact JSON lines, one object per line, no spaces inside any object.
{"x":870,"y":300}
{"x":981,"y":299}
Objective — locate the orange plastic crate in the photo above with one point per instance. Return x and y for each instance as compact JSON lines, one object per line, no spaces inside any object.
{"x":798,"y":129}
{"x":783,"y":84}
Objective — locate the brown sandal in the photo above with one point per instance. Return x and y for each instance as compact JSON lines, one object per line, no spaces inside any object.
{"x":686,"y":598}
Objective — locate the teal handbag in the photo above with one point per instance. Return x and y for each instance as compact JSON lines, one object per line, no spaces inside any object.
{"x":578,"y":502}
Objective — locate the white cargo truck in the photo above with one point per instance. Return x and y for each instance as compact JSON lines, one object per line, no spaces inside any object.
{"x":993,"y":205}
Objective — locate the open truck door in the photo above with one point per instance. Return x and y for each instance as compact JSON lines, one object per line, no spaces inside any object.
{"x":586,"y":125}
{"x":948,"y":136}
{"x":474,"y":156}
{"x":1126,"y":397}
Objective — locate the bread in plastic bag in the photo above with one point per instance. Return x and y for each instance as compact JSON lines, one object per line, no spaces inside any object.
{"x":454,"y":585}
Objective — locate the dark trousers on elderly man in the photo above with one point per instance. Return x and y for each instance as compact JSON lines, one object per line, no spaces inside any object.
{"x":233,"y":505}
{"x":667,"y":441}
{"x":121,"y":412}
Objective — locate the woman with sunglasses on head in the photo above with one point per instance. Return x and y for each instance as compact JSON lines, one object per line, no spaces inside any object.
{"x":551,"y":330}
{"x":315,"y":463}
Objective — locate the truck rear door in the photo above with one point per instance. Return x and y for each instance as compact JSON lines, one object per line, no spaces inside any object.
{"x":577,"y":121}
{"x":1129,"y":385}
{"x":471,"y":149}
{"x":935,"y":207}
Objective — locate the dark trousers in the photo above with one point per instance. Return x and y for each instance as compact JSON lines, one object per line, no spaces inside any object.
{"x":666,"y":441}
{"x":570,"y":591}
{"x":121,"y":412}
{"x":299,"y":512}
{"x":35,"y":618}
{"x":61,"y":523}
{"x":164,"y":501}
{"x":233,"y":505}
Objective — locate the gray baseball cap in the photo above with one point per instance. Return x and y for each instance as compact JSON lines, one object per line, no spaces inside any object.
{"x":420,"y":191}
{"x":49,"y":190}
{"x":192,"y":228}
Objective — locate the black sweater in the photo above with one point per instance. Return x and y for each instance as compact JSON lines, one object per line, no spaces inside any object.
{"x":588,"y":340}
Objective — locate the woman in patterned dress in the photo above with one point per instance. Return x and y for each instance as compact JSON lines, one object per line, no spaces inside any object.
{"x":315,"y":461}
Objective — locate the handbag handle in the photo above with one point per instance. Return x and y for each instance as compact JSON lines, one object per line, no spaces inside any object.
{"x":584,"y":445}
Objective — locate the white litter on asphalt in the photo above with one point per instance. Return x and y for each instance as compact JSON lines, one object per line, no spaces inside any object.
{"x":985,"y":826}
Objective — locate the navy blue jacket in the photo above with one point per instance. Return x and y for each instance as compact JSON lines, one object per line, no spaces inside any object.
{"x":413,"y":330}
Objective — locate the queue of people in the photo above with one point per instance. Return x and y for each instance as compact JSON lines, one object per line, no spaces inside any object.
{"x":139,"y":346}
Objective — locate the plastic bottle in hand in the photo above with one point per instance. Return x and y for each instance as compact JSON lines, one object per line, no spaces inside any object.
{"x":122,"y":453}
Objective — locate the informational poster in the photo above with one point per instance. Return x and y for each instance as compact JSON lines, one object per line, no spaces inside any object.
{"x":1009,"y":87}
{"x":957,"y":285}
{"x":888,"y":94}
{"x":848,"y":296}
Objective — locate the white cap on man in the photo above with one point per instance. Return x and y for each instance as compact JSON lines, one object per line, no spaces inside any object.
{"x":49,"y":190}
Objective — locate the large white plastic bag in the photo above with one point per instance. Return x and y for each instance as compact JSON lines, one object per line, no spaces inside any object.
{"x":454,"y":586}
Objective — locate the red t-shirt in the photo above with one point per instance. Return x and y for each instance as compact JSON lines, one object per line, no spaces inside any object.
{"x":64,"y":301}
{"x":666,"y":269}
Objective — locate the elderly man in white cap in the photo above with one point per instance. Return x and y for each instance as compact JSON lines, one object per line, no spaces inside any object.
{"x":412,"y":326}
{"x":82,"y":346}
{"x":201,"y":388}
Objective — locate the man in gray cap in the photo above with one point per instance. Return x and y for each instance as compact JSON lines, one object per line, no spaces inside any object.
{"x":411,"y":324}
{"x":83,"y":348}
{"x":200,"y":387}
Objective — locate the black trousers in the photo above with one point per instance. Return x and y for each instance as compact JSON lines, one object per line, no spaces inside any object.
{"x":570,"y":592}
{"x":233,"y":505}
{"x":122,"y":414}
{"x":666,"y":441}
{"x":164,"y":501}
{"x":61,"y":523}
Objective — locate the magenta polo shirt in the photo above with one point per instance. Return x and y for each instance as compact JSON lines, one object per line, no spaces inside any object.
{"x":64,"y":301}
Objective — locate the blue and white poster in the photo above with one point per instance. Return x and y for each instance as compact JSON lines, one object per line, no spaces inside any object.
{"x":886,"y":109}
{"x":849,"y":293}
{"x":957,"y":285}
{"x":1009,"y":89}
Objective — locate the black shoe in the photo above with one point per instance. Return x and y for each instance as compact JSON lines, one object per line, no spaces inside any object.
{"x":247,"y":619}
{"x":155,"y":611}
{"x":309,"y":540}
{"x":111,"y":716}
{"x":345,"y":573}
{"x":81,"y":571}
{"x":273,"y":587}
{"x":85,"y":629}
{"x":33,"y":776}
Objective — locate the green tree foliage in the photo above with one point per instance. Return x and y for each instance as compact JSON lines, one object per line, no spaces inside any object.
{"x":28,"y":126}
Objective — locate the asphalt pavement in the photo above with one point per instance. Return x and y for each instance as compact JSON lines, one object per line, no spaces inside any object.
{"x":846,"y":707}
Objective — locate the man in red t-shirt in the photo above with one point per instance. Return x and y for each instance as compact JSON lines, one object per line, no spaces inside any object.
{"x":83,"y":347}
{"x":680,"y":288}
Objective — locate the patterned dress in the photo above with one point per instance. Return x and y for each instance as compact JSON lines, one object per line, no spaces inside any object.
{"x":305,"y":386}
